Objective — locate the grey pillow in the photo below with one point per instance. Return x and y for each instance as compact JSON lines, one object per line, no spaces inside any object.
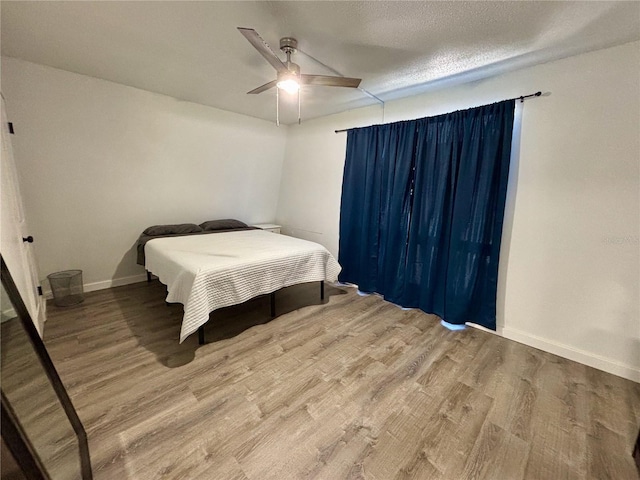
{"x":226,"y":224}
{"x":172,"y":229}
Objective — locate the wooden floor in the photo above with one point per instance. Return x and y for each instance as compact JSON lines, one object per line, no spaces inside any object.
{"x":349,"y":388}
{"x":35,"y":405}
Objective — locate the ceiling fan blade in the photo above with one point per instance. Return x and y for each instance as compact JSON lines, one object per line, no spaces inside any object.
{"x":264,"y":87}
{"x":262,"y":47}
{"x":330,"y":81}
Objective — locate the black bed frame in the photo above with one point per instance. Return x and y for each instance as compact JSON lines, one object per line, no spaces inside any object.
{"x":272,"y":298}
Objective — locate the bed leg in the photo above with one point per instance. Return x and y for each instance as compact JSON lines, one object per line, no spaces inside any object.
{"x":272,"y":296}
{"x":148,"y":276}
{"x":201,"y":335}
{"x":322,"y":290}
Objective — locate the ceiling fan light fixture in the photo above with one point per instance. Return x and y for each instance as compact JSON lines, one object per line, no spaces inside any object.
{"x":289,"y":80}
{"x":289,"y":85}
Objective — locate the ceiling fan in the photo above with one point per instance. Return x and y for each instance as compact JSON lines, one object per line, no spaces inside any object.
{"x":289,"y":77}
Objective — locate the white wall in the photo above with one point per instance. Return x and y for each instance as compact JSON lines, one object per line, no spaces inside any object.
{"x":99,"y":162}
{"x":570,"y":261}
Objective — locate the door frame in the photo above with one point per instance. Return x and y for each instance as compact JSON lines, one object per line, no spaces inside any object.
{"x":17,"y":241}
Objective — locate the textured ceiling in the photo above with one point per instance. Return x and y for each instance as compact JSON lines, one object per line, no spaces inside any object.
{"x":192,"y":50}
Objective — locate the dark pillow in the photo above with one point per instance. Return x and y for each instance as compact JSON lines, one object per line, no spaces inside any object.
{"x":172,"y":229}
{"x":225,"y":224}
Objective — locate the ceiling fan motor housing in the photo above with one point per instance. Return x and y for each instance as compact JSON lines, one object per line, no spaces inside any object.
{"x":288,"y":45}
{"x":293,"y":69}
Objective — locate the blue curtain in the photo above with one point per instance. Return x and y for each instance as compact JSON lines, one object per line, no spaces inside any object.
{"x":422,"y":211}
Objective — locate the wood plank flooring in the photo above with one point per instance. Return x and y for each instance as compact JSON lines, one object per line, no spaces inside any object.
{"x":349,"y":388}
{"x":35,"y":404}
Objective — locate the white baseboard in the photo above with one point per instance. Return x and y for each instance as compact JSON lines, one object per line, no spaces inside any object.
{"x":582,"y":356}
{"x":116,"y":282}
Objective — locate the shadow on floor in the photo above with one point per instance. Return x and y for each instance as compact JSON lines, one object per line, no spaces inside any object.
{"x":156,"y":324}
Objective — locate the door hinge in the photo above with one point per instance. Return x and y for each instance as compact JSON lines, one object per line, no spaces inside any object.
{"x":40,"y":290}
{"x":11,"y":128}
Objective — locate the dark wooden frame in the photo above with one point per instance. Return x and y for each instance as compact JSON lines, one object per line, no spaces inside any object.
{"x":13,"y":442}
{"x":636,"y":452}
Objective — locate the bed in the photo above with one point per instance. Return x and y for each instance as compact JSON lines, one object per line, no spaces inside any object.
{"x":206,"y":271}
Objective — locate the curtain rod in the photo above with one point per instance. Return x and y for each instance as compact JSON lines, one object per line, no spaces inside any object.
{"x":521,"y":98}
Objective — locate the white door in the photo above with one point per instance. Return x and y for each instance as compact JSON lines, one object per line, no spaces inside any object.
{"x":17,"y":254}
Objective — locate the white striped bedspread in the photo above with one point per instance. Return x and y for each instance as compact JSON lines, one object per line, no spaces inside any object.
{"x":208,"y":272}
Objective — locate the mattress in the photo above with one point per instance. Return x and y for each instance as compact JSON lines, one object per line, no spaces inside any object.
{"x":208,"y":272}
